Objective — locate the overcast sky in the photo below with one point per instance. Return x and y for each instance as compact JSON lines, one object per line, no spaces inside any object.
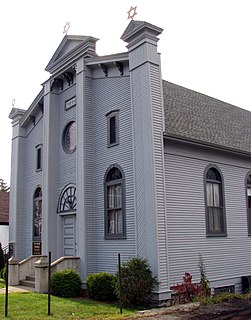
{"x":205,"y":46}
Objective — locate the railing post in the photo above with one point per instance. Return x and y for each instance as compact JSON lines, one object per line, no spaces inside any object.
{"x":49,"y":285}
{"x":7,"y":286}
{"x":120,"y":293}
{"x":41,"y":275}
{"x":14,"y":272}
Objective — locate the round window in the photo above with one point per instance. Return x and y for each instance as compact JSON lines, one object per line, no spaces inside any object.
{"x":70,"y":137}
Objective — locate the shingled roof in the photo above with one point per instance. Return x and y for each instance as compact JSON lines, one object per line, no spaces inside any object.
{"x":195,"y":116}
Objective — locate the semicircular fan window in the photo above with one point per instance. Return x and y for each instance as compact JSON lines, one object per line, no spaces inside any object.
{"x":67,"y":199}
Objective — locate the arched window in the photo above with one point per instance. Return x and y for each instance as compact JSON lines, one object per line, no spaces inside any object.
{"x":37,"y":214}
{"x":248,"y":186}
{"x":67,"y":199}
{"x":215,"y":212}
{"x":114,"y":203}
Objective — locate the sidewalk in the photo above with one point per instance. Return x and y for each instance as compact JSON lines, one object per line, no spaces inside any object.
{"x":19,"y":289}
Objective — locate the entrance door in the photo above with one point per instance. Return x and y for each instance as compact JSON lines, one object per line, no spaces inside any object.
{"x":69,"y":235}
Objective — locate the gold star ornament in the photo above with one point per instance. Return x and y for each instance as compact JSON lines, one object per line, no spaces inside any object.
{"x":132,"y":12}
{"x":66,"y":27}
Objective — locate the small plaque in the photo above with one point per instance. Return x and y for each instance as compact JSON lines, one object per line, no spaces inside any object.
{"x":37,"y":248}
{"x":70,"y":103}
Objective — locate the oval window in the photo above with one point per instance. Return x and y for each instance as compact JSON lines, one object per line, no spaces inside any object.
{"x":70,"y":137}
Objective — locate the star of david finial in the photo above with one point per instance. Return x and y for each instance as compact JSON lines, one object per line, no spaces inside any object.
{"x":132,"y":12}
{"x":66,"y":27}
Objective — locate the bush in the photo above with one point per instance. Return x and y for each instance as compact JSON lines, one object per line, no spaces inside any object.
{"x":137,"y":283}
{"x":101,"y":286}
{"x":66,"y":283}
{"x":3,"y":274}
{"x":187,"y":291}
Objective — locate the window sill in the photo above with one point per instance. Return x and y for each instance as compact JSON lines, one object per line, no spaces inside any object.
{"x":216,"y":235}
{"x":114,"y":237}
{"x":112,"y":144}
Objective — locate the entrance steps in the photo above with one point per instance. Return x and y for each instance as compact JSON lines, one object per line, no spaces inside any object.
{"x":28,"y":282}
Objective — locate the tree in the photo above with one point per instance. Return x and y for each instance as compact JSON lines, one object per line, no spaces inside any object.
{"x":3,"y":186}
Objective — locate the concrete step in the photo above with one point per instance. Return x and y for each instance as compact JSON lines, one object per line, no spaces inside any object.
{"x":30,"y":278}
{"x":28,"y":282}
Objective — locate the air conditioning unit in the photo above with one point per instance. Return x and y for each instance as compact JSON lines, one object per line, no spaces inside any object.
{"x":246,"y":284}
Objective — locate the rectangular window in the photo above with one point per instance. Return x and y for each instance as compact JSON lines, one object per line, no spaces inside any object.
{"x":39,"y":158}
{"x":112,"y":129}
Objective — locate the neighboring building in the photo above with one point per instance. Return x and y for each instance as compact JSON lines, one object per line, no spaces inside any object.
{"x":4,"y":218}
{"x":109,"y":159}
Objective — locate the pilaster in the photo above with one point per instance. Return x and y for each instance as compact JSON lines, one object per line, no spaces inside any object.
{"x":49,"y":187}
{"x":81,"y":166}
{"x":147,"y":109}
{"x":17,"y":175}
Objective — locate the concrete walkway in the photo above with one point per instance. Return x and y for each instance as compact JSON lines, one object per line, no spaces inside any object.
{"x":19,"y":289}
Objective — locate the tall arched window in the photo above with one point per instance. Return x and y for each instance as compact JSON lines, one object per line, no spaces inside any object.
{"x":215,"y":212}
{"x":37,"y":214}
{"x":114,"y":204}
{"x":248,"y":186}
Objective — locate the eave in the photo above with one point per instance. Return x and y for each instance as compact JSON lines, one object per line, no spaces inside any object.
{"x":195,"y":142}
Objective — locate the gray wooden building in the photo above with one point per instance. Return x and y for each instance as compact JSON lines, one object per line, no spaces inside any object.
{"x":109,"y":158}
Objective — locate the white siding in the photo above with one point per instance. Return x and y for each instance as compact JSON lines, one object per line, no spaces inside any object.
{"x":4,"y":235}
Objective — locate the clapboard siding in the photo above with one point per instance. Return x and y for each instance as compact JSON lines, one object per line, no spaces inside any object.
{"x":186,"y":229}
{"x":33,"y":179}
{"x":90,"y":171}
{"x":112,"y":94}
{"x":66,"y":161}
{"x":144,"y":166}
{"x":159,"y":173}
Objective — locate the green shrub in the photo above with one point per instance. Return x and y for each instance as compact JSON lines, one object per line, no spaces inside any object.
{"x":137,"y":283}
{"x":101,"y":286}
{"x":66,"y":283}
{"x":3,"y":274}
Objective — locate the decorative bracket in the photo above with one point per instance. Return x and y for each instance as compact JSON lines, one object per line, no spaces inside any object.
{"x":57,"y":82}
{"x":119,"y":65}
{"x":41,"y":107}
{"x":33,"y":120}
{"x":104,"y":68}
{"x":69,"y":77}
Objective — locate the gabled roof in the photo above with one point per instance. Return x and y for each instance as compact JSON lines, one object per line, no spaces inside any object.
{"x":135,"y":26}
{"x":195,"y":116}
{"x":70,"y":46}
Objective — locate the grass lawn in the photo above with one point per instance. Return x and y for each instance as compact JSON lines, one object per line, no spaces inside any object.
{"x":34,"y":306}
